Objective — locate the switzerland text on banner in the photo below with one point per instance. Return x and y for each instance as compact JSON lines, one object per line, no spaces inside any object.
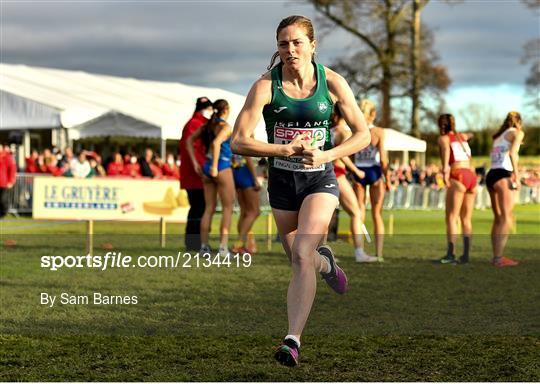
{"x":66,"y":198}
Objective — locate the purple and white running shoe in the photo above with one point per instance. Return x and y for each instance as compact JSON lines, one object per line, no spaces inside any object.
{"x":336,"y":278}
{"x":288,"y":353}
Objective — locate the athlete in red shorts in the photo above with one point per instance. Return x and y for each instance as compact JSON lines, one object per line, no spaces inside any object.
{"x":460,"y":180}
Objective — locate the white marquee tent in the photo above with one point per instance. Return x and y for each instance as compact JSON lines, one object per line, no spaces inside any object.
{"x":98,"y":105}
{"x":91,"y":105}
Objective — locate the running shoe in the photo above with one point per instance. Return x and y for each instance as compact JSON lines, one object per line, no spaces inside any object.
{"x":365,"y":258}
{"x":448,"y":260}
{"x":205,"y":248}
{"x":223,"y":251}
{"x":463,"y":260}
{"x":336,"y":278}
{"x":504,"y":262}
{"x":241,"y":250}
{"x":288,"y":353}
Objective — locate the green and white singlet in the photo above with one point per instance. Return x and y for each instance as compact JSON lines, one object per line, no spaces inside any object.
{"x":286,"y":118}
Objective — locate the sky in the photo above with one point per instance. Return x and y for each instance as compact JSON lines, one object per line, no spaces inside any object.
{"x":228,"y":44}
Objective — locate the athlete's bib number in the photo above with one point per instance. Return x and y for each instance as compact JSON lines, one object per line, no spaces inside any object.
{"x":284,"y":135}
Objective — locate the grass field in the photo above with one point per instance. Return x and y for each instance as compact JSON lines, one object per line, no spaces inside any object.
{"x":406,"y":319}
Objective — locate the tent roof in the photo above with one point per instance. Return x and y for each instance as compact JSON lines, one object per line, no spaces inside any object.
{"x":398,"y":141}
{"x":100,"y":105}
{"x":83,"y":97}
{"x":18,"y":113}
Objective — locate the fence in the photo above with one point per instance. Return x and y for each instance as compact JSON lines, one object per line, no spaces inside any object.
{"x":412,"y":196}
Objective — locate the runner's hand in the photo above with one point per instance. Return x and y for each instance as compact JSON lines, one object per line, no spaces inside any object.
{"x":213,"y":171}
{"x":197,"y":168}
{"x":360,"y":174}
{"x":514,"y":180}
{"x":297,"y":145}
{"x":313,"y":157}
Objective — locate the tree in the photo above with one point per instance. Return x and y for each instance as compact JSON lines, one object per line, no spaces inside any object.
{"x":415,"y":62}
{"x":383,"y":62}
{"x":531,"y":54}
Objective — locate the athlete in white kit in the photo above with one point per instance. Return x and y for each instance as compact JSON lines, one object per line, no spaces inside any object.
{"x":501,"y":181}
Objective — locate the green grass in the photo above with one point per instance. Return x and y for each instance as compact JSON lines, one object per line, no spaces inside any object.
{"x":403,"y":320}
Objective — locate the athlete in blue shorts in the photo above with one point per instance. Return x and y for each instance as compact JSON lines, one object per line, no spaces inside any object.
{"x":216,"y":173}
{"x":247,"y":191}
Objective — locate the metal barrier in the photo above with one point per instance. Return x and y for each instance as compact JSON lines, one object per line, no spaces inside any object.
{"x":20,"y":196}
{"x":412,"y":196}
{"x":415,"y":196}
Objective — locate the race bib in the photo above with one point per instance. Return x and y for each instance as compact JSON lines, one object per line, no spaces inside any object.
{"x":284,"y":135}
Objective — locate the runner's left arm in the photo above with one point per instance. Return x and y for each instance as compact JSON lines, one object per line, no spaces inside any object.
{"x":341,"y":93}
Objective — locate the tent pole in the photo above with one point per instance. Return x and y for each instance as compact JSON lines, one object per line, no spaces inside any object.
{"x":163,"y":149}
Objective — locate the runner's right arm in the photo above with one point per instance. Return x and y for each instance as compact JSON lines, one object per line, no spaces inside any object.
{"x":243,"y":142}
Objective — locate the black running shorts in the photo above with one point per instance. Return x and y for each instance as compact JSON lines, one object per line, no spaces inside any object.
{"x":287,"y":189}
{"x":495,"y":175}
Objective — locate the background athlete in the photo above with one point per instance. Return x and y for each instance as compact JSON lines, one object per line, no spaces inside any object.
{"x":373,"y":162}
{"x":347,"y":198}
{"x":247,"y":190}
{"x":502,"y":180}
{"x":216,"y":173}
{"x":460,"y":180}
{"x":296,"y":98}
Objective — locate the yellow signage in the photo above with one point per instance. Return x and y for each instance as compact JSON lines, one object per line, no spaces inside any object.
{"x":66,"y":198}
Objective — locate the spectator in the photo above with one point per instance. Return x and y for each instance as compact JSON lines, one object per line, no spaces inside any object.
{"x":80,"y":167}
{"x":8,"y":172}
{"x":481,"y":173}
{"x":170,"y":169}
{"x":132,"y":169}
{"x":31,"y":162}
{"x":157,"y":167}
{"x":67,"y":159}
{"x":51,"y":165}
{"x":429,"y":178}
{"x":40,"y":164}
{"x":415,"y":172}
{"x":116,"y":167}
{"x":145,"y":162}
{"x":190,"y":180}
{"x":96,"y":169}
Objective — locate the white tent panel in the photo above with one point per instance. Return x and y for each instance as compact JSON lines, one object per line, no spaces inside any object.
{"x":18,"y":80}
{"x":398,"y":141}
{"x":115,"y":124}
{"x":20,"y":113}
{"x":82,"y":97}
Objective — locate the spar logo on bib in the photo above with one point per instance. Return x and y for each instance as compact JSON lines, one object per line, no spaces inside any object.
{"x":284,"y":135}
{"x":322,"y":106}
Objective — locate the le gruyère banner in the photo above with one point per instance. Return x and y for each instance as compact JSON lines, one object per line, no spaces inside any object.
{"x":66,"y":198}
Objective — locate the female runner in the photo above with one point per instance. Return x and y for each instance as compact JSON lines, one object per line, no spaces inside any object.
{"x":296,"y":98}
